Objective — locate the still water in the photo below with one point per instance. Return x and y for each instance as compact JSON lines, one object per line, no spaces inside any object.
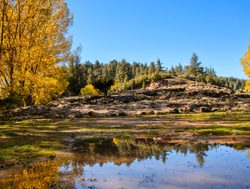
{"x":111,"y":164}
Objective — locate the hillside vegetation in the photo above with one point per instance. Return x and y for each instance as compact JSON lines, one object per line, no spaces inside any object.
{"x":117,"y":76}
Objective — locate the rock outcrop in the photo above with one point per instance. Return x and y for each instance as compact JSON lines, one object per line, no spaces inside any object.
{"x":168,"y":96}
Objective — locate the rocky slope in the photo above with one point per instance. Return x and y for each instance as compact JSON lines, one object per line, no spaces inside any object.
{"x":168,"y":96}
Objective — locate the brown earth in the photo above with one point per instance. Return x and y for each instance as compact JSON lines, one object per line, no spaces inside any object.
{"x":168,"y":96}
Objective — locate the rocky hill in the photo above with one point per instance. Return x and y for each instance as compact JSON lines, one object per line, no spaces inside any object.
{"x":167,"y":96}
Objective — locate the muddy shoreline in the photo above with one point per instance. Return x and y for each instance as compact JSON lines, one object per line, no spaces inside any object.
{"x":25,"y":142}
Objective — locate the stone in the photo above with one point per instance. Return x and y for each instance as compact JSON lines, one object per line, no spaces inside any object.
{"x":142,"y":113}
{"x":150,"y":113}
{"x":122,"y":114}
{"x":205,"y":109}
{"x":174,"y":111}
{"x":90,"y":113}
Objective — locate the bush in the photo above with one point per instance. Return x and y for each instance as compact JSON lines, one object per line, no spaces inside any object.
{"x":11,"y":102}
{"x":158,"y":76}
{"x":89,"y":90}
{"x":139,"y":82}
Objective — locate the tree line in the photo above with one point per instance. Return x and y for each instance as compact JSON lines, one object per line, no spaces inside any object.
{"x":122,"y":75}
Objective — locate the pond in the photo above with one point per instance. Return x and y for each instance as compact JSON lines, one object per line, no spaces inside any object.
{"x":120,"y":164}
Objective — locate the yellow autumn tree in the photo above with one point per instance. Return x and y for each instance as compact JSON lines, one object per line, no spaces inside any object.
{"x":245,"y":61}
{"x":89,"y":90}
{"x":33,"y":44}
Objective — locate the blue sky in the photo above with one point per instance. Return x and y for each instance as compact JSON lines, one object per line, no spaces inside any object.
{"x":218,"y":31}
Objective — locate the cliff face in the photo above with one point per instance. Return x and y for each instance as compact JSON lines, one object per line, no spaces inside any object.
{"x":168,"y":96}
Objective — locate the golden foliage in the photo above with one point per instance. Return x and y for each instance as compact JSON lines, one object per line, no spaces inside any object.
{"x":33,"y":41}
{"x":245,"y":61}
{"x":89,"y":90}
{"x":247,"y":87}
{"x":116,"y":141}
{"x":41,"y":175}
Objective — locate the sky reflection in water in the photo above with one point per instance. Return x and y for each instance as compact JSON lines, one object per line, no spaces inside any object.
{"x":224,"y":167}
{"x":174,"y":167}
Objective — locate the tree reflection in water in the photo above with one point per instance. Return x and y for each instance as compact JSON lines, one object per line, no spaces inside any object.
{"x":62,"y":172}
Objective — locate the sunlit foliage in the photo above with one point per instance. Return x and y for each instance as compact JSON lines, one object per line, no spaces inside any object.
{"x":33,"y":41}
{"x":89,"y":90}
{"x":245,"y":61}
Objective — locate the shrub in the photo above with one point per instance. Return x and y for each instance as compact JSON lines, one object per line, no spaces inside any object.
{"x":89,"y":90}
{"x":11,"y":102}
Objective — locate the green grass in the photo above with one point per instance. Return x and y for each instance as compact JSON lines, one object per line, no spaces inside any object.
{"x":22,"y":141}
{"x":152,"y":133}
{"x":243,"y":124}
{"x":218,"y":130}
{"x":22,"y":154}
{"x":208,"y":117}
{"x":123,"y":136}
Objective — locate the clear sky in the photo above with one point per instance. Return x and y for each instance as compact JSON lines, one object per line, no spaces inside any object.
{"x":218,"y":31}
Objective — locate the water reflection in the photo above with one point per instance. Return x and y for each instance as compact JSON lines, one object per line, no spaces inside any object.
{"x":138,"y":163}
{"x":126,"y":151}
